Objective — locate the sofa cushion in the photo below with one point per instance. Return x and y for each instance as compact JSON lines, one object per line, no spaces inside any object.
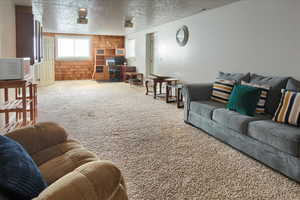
{"x":234,"y":120}
{"x":276,"y":84}
{"x":55,"y":151}
{"x":293,"y":85}
{"x":73,"y":157}
{"x":238,"y":77}
{"x":283,"y":137}
{"x":205,"y":108}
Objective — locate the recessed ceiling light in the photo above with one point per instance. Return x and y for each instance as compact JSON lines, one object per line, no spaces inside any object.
{"x":129,"y":22}
{"x":82,"y":16}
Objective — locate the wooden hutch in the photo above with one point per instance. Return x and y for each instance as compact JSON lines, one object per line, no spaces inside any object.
{"x":101,"y":69}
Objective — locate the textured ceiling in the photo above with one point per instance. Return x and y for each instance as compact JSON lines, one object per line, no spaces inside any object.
{"x":107,"y":16}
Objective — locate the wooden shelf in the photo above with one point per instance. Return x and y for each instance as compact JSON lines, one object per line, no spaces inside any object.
{"x":15,"y":106}
{"x":24,"y":104}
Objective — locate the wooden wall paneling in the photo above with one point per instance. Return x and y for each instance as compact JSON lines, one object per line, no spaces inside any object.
{"x":73,"y":70}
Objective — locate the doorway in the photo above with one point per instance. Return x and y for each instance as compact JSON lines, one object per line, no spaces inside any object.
{"x":151,"y":53}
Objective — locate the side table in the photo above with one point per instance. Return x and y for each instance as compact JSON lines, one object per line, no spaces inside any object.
{"x":178,"y":95}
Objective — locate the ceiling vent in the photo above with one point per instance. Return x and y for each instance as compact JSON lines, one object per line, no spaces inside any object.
{"x":82,"y":16}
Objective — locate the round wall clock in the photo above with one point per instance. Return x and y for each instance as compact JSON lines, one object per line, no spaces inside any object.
{"x":182,"y":36}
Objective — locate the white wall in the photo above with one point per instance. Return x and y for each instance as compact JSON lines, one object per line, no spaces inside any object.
{"x":261,"y":36}
{"x":7,"y":29}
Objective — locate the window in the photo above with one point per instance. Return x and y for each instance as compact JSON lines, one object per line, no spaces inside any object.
{"x":73,"y":48}
{"x":130,"y":51}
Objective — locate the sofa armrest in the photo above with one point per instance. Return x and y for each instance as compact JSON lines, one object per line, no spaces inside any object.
{"x":39,"y":137}
{"x":197,"y":92}
{"x":94,"y":180}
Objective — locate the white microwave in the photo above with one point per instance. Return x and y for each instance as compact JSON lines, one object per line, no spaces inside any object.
{"x":15,"y":69}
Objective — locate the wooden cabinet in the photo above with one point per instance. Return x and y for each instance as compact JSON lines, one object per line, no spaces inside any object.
{"x":120,"y":52}
{"x":101,"y":69}
{"x":99,"y":65}
{"x":28,"y":35}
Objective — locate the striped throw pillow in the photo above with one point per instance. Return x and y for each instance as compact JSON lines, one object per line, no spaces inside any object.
{"x":221,"y":90}
{"x":288,"y":110}
{"x":261,"y":104}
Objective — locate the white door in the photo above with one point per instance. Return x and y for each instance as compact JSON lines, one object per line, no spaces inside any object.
{"x":46,"y":69}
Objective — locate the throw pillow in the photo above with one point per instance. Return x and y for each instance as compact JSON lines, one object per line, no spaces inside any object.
{"x":243,"y":99}
{"x":221,"y":90}
{"x":20,"y":178}
{"x":261,"y":104}
{"x":288,"y":110}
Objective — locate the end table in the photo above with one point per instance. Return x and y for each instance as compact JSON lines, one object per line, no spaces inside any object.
{"x":178,"y":95}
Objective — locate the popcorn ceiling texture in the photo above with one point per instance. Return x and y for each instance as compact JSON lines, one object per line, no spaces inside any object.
{"x":159,"y":155}
{"x":106,"y":17}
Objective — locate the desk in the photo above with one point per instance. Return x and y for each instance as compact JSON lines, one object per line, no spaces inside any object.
{"x":158,"y":79}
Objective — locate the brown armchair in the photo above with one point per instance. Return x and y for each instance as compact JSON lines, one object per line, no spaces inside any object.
{"x":71,"y":171}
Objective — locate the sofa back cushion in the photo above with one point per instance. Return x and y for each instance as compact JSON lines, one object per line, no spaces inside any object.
{"x":20,"y":178}
{"x":275,"y":84}
{"x":293,"y":85}
{"x":237,"y":77}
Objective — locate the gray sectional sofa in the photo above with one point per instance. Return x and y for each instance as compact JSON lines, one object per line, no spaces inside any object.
{"x":276,"y":145}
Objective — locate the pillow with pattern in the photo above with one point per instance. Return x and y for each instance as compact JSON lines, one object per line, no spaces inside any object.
{"x":221,"y":90}
{"x":288,"y":110}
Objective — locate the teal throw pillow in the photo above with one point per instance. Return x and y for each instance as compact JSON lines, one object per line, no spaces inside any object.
{"x":243,"y":99}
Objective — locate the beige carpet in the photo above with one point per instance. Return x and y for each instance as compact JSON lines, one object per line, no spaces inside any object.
{"x":160,"y":156}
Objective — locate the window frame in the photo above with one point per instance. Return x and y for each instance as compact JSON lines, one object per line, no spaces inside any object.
{"x":73,"y":58}
{"x":127,"y":48}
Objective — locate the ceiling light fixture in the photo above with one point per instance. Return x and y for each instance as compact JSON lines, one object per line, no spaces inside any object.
{"x":82,"y":16}
{"x":128,"y":22}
